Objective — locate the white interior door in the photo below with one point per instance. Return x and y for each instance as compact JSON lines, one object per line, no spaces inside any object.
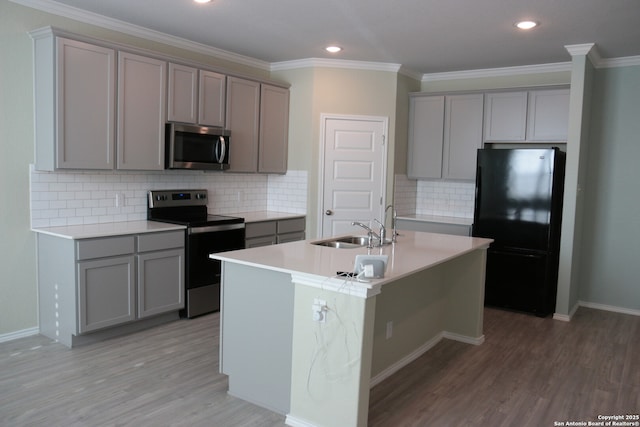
{"x":354,"y":170}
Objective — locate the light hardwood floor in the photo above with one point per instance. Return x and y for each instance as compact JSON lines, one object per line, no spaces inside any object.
{"x":529,"y":372}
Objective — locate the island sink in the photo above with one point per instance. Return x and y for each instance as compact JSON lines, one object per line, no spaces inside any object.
{"x":347,"y":242}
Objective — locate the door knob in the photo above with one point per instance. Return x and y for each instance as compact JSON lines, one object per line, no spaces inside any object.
{"x":328,"y":212}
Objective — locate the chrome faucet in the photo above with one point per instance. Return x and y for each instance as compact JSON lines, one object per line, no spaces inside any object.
{"x":370,"y":233}
{"x":382,"y":232}
{"x":393,"y":221}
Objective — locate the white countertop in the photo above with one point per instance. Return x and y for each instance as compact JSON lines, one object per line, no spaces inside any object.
{"x":414,"y":251}
{"x":266,"y":216}
{"x":437,"y":218}
{"x":88,"y":231}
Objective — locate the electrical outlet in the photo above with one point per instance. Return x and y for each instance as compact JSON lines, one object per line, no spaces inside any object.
{"x":119,"y":200}
{"x":389,"y":329}
{"x":319,"y":308}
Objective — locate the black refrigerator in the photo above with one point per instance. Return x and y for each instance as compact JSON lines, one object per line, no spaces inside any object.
{"x":519,"y":204}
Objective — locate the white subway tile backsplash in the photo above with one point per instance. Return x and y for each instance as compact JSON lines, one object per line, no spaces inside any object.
{"x":87,"y":197}
{"x":445,"y":198}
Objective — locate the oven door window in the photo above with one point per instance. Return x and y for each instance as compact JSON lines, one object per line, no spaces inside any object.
{"x":202,"y":270}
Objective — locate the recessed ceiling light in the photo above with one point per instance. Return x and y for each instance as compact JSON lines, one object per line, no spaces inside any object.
{"x":202,"y":1}
{"x":333,"y":49}
{"x":526,"y":25}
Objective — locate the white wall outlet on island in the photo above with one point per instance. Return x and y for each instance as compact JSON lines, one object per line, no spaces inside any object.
{"x":319,"y":308}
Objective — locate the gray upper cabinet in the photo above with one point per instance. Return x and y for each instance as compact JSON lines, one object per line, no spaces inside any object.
{"x":195,"y":96}
{"x":444,"y":135}
{"x":242,"y":119}
{"x":258,"y":117}
{"x":141,"y":112}
{"x":426,"y":134}
{"x":74,"y":104}
{"x":548,"y":115}
{"x":462,"y":136}
{"x":182,"y":100}
{"x":527,"y":116}
{"x":274,"y":129}
{"x":211,"y":99}
{"x":505,"y":116}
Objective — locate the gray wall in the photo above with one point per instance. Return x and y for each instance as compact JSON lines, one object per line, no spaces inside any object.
{"x":610,"y":268}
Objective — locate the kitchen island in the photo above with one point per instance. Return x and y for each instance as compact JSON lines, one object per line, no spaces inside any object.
{"x":301,"y":340}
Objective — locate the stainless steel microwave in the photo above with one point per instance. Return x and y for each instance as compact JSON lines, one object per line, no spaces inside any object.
{"x":196,"y":147}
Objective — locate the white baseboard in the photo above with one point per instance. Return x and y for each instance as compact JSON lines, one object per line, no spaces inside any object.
{"x":609,"y":308}
{"x":594,"y":305}
{"x":19,"y":334}
{"x":406,"y":360}
{"x":297,"y":422}
{"x":566,"y":317}
{"x":463,"y":338}
{"x":420,"y":351}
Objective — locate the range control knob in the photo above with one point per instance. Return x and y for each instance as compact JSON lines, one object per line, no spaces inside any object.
{"x":201,"y":196}
{"x":161,"y":197}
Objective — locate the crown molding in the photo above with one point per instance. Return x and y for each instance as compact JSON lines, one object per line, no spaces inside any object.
{"x":83,"y":16}
{"x":345,"y":64}
{"x":589,"y":50}
{"x":627,"y":61}
{"x":334,"y":63}
{"x":499,"y":72}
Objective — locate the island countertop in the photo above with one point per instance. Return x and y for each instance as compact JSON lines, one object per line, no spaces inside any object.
{"x":413,"y":251}
{"x":284,"y":306}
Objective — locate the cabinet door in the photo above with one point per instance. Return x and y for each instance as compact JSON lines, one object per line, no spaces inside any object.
{"x":160,"y":282}
{"x":183,"y":93}
{"x":106,"y":292}
{"x":426,"y":132}
{"x":548,"y":117}
{"x":462,"y":135}
{"x":211,"y":99}
{"x":243,"y":109}
{"x":141,"y":112}
{"x":505,"y":116}
{"x":274,"y":129}
{"x":85,"y":106}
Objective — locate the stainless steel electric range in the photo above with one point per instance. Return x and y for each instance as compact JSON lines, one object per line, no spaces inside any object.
{"x":205,"y":234}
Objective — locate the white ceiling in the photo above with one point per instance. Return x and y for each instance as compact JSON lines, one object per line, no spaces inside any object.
{"x":425,"y":36}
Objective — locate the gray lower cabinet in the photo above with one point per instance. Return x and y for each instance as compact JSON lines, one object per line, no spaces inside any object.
{"x":272,"y":232}
{"x":89,"y":286}
{"x":434,"y":227}
{"x":160,"y":273}
{"x":106,"y":293}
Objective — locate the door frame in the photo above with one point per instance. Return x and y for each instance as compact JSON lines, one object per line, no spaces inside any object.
{"x":385,"y":158}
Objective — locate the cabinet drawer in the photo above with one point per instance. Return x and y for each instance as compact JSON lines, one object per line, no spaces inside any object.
{"x":258,"y":229}
{"x":291,"y":225}
{"x":291,"y":237}
{"x":158,"y":241}
{"x":260,"y":241}
{"x":104,"y":247}
{"x":434,"y":227}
